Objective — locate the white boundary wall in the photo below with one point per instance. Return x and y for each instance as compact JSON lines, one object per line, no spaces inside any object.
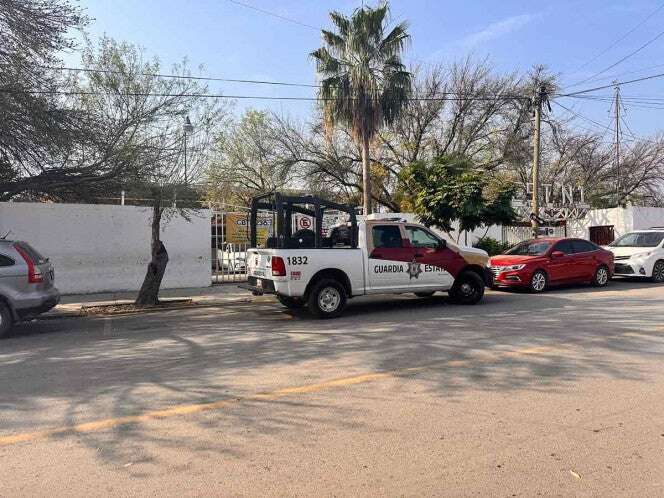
{"x":98,"y":248}
{"x":623,"y":220}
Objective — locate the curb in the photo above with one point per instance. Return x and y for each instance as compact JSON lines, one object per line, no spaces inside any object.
{"x":81,"y":313}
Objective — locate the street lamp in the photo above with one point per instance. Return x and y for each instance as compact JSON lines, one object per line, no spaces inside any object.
{"x":187,"y":128}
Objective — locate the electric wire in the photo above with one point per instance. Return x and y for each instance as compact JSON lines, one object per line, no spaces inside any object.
{"x":616,"y":42}
{"x":273,"y":14}
{"x":648,"y":43}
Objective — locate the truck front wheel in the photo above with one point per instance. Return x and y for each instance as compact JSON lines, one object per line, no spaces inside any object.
{"x":291,"y":303}
{"x":468,"y":288}
{"x":327,"y":299}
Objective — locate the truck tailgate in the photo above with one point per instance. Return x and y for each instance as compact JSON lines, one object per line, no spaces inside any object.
{"x":259,"y":263}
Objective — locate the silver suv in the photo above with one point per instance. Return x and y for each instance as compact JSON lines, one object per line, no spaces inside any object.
{"x":26,"y":284}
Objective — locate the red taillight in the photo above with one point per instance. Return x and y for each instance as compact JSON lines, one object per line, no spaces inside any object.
{"x":278,"y":267}
{"x":34,"y":274}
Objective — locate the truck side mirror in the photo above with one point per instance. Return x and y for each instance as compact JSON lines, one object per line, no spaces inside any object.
{"x":442,"y":244}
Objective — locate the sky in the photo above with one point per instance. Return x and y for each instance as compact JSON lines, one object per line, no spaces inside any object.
{"x":233,"y":41}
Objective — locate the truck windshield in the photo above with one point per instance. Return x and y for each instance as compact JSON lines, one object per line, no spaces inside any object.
{"x":530,"y":248}
{"x":639,"y":239}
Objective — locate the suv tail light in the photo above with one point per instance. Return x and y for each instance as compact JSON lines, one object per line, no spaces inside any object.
{"x":34,"y":274}
{"x":278,"y":267}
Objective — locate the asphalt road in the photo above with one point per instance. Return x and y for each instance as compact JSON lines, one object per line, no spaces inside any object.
{"x":554,"y":394}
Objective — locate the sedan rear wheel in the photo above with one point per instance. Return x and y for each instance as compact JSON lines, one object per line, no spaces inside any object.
{"x":601,"y":276}
{"x":658,"y":272}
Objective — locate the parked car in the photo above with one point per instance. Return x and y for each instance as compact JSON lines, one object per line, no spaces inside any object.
{"x":539,"y":263}
{"x":375,"y":256}
{"x":26,"y":284}
{"x":232,"y":258}
{"x":640,"y":254}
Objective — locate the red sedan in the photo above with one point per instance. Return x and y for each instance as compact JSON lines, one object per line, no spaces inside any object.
{"x":538,"y":263}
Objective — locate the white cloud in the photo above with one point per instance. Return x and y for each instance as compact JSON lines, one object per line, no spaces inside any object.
{"x":496,"y":30}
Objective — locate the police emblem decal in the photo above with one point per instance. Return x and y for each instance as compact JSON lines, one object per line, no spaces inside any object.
{"x":414,"y":269}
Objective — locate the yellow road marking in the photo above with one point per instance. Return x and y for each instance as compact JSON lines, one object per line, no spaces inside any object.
{"x":278,"y":393}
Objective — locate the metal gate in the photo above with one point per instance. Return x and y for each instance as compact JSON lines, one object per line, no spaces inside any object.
{"x":229,"y":243}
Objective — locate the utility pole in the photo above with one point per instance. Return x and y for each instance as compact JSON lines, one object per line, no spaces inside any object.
{"x":538,"y":99}
{"x":617,"y":117}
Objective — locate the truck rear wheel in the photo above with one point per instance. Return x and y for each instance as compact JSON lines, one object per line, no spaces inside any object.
{"x":468,"y":288}
{"x":292,"y":303}
{"x":327,"y":298}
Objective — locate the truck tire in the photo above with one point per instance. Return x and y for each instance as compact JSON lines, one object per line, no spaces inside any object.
{"x":327,"y":298}
{"x":291,"y":303}
{"x":6,"y":320}
{"x":468,"y":288}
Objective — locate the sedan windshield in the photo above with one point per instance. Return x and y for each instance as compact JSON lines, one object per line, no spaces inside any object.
{"x":639,"y":239}
{"x":530,"y":248}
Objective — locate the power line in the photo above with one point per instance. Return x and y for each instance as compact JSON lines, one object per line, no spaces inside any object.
{"x":649,"y":42}
{"x":603,"y":87}
{"x":613,"y":77}
{"x":180,"y":76}
{"x":273,"y":14}
{"x":616,"y":42}
{"x":444,"y":95}
{"x":600,"y":125}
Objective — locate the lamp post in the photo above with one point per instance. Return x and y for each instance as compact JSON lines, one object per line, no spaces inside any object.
{"x":187,"y":128}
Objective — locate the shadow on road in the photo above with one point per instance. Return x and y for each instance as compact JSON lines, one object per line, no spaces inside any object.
{"x":62,"y":372}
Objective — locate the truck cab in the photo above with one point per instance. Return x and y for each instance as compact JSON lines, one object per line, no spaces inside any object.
{"x":310,"y":262}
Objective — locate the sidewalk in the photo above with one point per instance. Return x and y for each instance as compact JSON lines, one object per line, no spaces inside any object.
{"x":72,"y":304}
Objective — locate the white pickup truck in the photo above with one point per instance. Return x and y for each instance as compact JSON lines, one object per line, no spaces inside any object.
{"x":323,"y":269}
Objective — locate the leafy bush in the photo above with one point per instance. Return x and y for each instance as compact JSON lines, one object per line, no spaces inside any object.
{"x":492,"y":246}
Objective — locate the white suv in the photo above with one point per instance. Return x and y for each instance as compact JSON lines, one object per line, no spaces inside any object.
{"x":640,"y":254}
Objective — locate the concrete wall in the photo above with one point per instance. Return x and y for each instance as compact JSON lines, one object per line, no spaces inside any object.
{"x":623,"y":220}
{"x":97,"y":248}
{"x":620,"y":218}
{"x":646,"y":217}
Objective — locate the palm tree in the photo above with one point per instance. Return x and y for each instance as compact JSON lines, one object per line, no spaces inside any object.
{"x":364,"y":84}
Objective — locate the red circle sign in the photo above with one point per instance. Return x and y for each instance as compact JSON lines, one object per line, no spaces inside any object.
{"x":305,"y":223}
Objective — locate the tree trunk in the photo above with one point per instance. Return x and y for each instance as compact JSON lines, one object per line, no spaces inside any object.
{"x":366,"y":176}
{"x":149,"y":293}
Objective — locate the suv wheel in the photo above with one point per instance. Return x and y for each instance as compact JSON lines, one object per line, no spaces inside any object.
{"x":290,"y":302}
{"x":538,"y":281}
{"x":658,"y":272}
{"x":327,"y":299}
{"x":6,"y":320}
{"x":601,"y":277}
{"x":468,"y":288}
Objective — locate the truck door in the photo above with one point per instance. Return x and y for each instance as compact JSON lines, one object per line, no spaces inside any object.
{"x":389,"y":255}
{"x":435,"y":261}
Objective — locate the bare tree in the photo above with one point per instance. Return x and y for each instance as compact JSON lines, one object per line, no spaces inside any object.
{"x":144,"y":117}
{"x":251,"y":158}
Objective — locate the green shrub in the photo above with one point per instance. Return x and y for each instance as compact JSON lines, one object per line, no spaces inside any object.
{"x":492,"y":246}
